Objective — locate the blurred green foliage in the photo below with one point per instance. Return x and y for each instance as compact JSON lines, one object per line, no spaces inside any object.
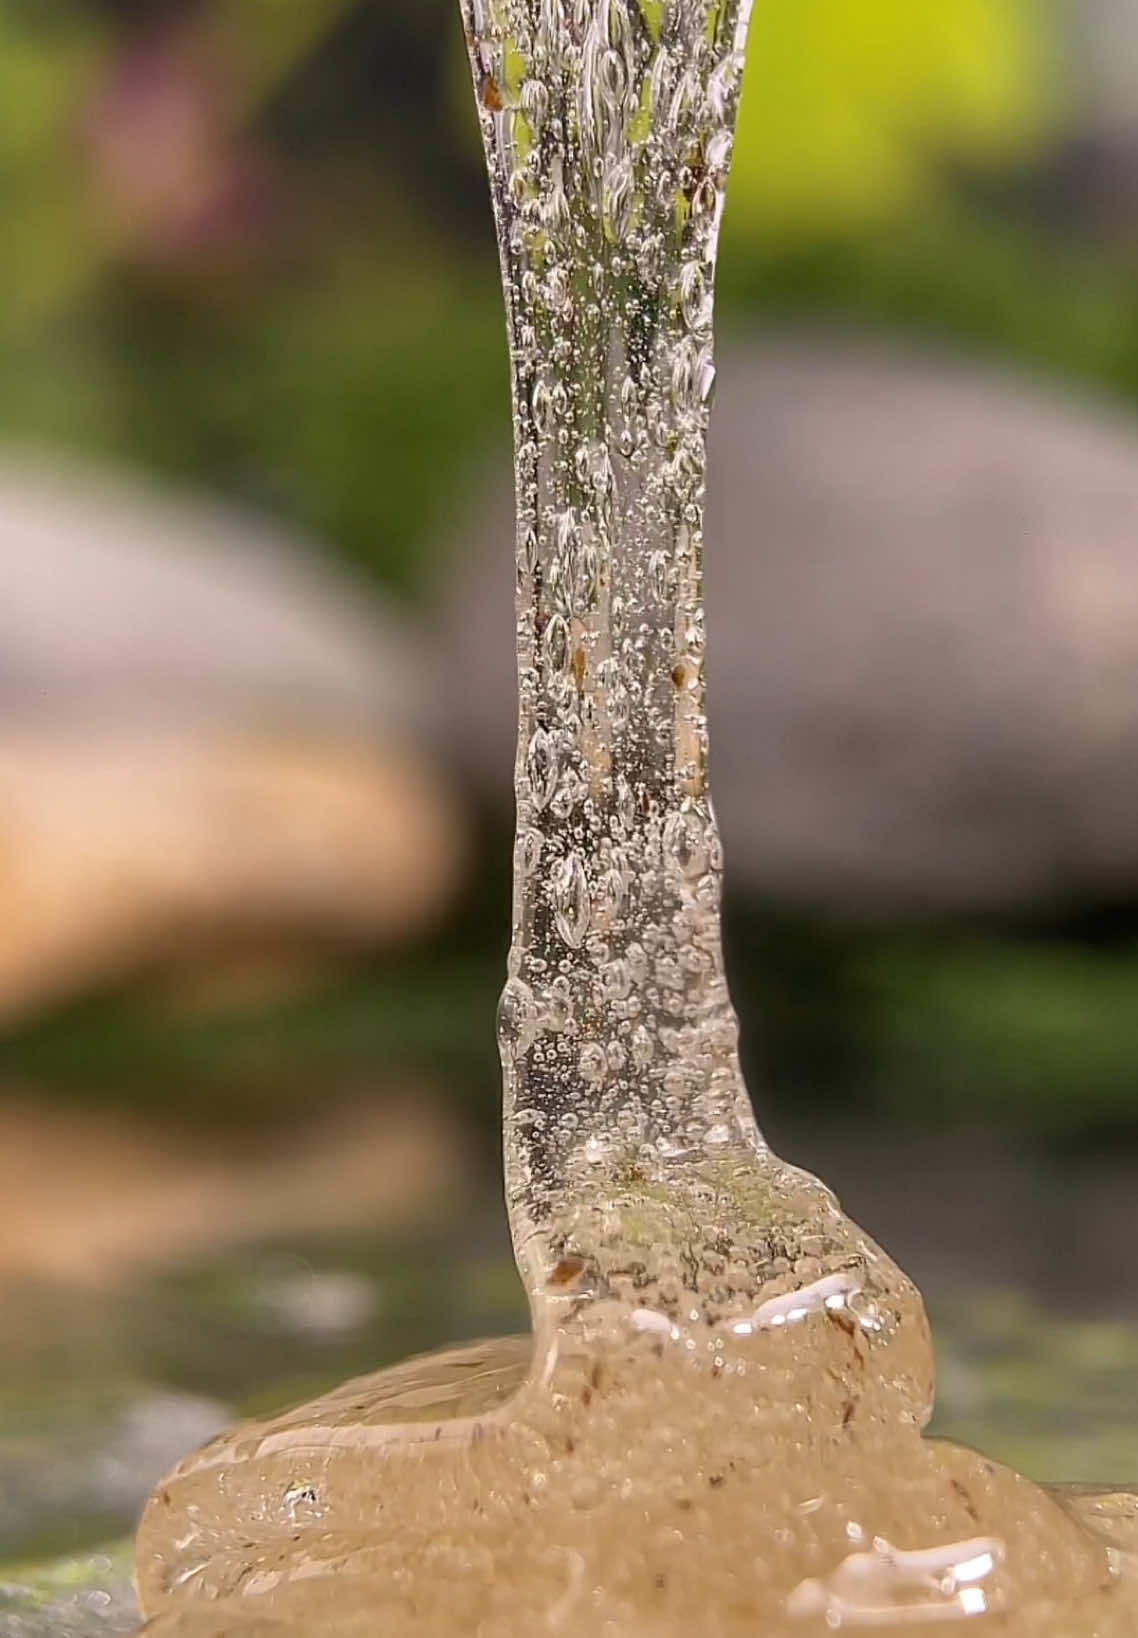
{"x":1031,"y":1029}
{"x":850,"y":110}
{"x":251,"y":248}
{"x":1052,"y":1027}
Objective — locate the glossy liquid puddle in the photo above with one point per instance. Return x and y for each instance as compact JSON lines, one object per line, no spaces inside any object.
{"x":716,"y":1427}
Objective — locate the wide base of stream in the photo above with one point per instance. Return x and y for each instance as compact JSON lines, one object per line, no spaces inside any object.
{"x":727,"y":1468}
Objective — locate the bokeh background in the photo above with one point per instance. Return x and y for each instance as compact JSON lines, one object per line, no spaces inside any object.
{"x":255,"y":712}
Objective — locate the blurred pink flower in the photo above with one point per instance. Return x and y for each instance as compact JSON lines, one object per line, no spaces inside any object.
{"x":166,"y":160}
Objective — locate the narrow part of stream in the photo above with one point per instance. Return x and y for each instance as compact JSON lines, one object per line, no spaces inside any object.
{"x":716,"y":1426}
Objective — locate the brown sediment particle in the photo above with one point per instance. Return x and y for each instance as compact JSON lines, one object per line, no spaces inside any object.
{"x":969,"y":1504}
{"x":697,"y":174}
{"x":847,"y":1323}
{"x":489,"y":95}
{"x":566,"y":1273}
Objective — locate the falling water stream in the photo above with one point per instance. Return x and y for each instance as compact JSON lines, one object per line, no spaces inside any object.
{"x":716,"y":1427}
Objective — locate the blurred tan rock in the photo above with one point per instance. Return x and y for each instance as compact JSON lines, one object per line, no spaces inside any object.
{"x":208,"y":738}
{"x":91,"y":1196}
{"x":120,"y":847}
{"x":922,"y":611}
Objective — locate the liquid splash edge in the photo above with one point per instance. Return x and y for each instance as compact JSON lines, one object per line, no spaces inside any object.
{"x":717,"y":1425}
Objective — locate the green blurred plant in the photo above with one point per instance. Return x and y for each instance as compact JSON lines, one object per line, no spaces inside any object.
{"x":1049,"y":1030}
{"x":46,"y":75}
{"x":52,"y":72}
{"x":339,"y":359}
{"x":330,"y":360}
{"x":852,"y":107}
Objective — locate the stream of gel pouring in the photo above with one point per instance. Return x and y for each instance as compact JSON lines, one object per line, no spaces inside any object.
{"x":716,"y":1427}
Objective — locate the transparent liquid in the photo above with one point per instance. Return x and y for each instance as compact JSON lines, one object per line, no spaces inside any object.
{"x":717,"y":1425}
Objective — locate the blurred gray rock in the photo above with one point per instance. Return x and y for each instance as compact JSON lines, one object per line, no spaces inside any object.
{"x":143,"y":1442}
{"x":922,"y":585}
{"x":116,"y":597}
{"x":97,"y":1467}
{"x":1101,"y":61}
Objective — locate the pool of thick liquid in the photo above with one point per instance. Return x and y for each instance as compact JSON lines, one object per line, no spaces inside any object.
{"x":669,"y":1457}
{"x":716,"y":1427}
